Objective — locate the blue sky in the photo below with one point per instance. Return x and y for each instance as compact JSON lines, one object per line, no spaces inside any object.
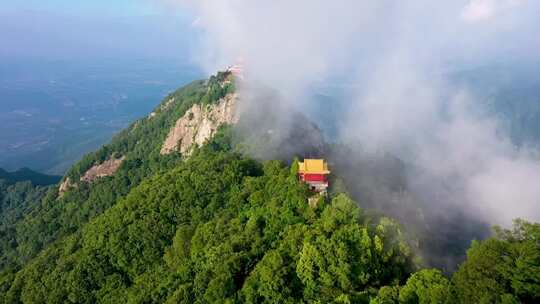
{"x":117,"y":7}
{"x":86,"y":30}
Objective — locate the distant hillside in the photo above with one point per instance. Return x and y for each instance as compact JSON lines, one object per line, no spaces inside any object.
{"x":25,"y":174}
{"x":511,"y":93}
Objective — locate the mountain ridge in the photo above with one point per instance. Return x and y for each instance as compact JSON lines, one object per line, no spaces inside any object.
{"x":27,"y":174}
{"x":222,"y":227}
{"x":62,"y":213}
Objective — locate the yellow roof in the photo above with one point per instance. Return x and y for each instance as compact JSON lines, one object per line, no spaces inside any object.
{"x":313,"y":166}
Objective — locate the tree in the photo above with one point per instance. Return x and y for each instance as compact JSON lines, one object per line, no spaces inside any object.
{"x":427,"y":286}
{"x":503,"y":269}
{"x":386,"y":295}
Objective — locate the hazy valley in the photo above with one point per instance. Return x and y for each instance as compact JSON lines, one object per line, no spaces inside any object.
{"x":53,"y":113}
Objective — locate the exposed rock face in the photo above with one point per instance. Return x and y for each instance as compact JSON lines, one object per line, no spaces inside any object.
{"x":199,"y":124}
{"x":107,"y":168}
{"x":65,"y":186}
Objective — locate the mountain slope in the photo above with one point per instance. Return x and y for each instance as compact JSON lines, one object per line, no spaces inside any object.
{"x":218,"y":228}
{"x":132,"y":224}
{"x":78,"y":200}
{"x":18,"y":198}
{"x":222,"y":228}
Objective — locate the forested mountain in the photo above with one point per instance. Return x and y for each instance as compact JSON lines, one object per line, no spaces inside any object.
{"x":66,"y":209}
{"x":20,"y":193}
{"x":510,"y":93}
{"x":25,"y":174}
{"x":139,"y":222}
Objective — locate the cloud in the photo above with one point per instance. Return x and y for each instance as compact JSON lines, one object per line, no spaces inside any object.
{"x":495,"y":177}
{"x":196,"y":22}
{"x":398,"y":59}
{"x":480,"y":10}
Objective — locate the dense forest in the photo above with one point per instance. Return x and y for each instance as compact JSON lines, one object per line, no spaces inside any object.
{"x":221,"y":227}
{"x":20,"y":193}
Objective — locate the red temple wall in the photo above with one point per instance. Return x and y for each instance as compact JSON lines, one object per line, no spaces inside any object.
{"x":313,"y":177}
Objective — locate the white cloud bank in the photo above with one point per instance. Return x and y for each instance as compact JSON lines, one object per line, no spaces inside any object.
{"x":480,"y":10}
{"x":399,"y":52}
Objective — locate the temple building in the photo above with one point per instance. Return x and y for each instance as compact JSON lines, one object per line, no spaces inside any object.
{"x":237,"y":70}
{"x":314,"y":172}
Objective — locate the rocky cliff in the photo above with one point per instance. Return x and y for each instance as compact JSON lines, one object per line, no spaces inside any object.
{"x":107,"y":168}
{"x":65,"y":186}
{"x":199,"y":124}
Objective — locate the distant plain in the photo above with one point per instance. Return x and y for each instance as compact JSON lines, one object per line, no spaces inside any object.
{"x":54,"y":112}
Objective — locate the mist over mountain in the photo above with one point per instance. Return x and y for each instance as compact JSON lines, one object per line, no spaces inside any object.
{"x":232,"y":228}
{"x":422,"y":115}
{"x":399,"y":67}
{"x":510,"y":93}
